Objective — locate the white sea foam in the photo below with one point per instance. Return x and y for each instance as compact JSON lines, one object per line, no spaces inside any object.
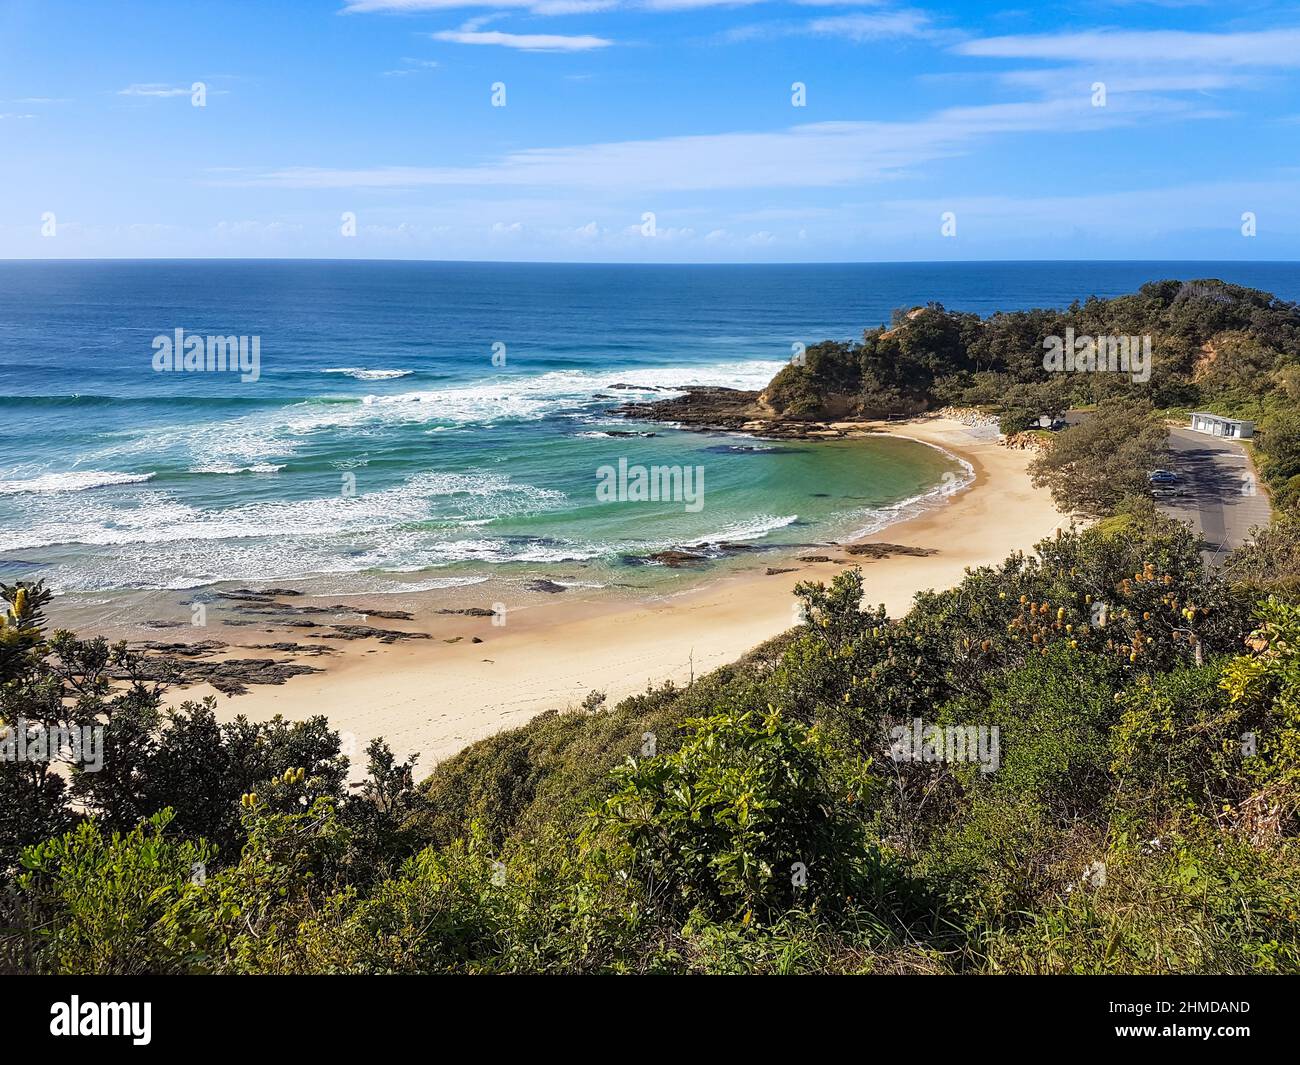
{"x":243,"y":441}
{"x":77,"y":481}
{"x":267,"y":437}
{"x":155,"y":518}
{"x":881,"y":517}
{"x":753,"y":528}
{"x":369,"y":375}
{"x":224,"y":467}
{"x":531,"y":398}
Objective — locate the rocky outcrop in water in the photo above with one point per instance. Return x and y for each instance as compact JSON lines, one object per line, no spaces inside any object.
{"x":711,"y":409}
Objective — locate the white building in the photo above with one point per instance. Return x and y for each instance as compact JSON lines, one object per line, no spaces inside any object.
{"x":1204,"y":422}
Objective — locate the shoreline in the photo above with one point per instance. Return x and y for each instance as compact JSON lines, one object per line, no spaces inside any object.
{"x":434,"y":698}
{"x":459,"y":678}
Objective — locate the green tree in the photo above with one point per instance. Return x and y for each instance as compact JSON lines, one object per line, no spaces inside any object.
{"x":1092,"y":466}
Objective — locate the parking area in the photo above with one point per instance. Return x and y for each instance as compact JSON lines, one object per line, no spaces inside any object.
{"x":1217,"y":490}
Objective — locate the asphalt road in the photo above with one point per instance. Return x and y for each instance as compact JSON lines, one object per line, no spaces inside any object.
{"x":1219,"y":494}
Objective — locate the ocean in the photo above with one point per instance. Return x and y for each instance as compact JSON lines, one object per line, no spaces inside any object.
{"x":416,"y":426}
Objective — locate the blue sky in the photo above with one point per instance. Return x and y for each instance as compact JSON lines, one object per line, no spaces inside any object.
{"x":683,"y":109}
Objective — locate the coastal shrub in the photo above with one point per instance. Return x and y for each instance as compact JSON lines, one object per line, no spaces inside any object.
{"x":751,"y":815}
{"x":824,"y":384}
{"x":1202,"y":903}
{"x":185,"y":760}
{"x":1278,"y":447}
{"x":1270,"y":563}
{"x":1092,"y":466}
{"x":1213,"y":344}
{"x":1017,"y":420}
{"x":1265,"y":687}
{"x":112,"y":903}
{"x":556,"y":765}
{"x":1177,"y":746}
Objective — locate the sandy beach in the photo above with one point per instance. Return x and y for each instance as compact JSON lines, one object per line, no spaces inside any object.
{"x":472,"y":677}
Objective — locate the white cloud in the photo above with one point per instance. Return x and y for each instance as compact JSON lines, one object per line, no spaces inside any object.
{"x":857,"y":26}
{"x":1268,"y":48}
{"x":861,"y":27}
{"x":154,"y":90}
{"x":527,"y":42}
{"x":1122,"y":77}
{"x":817,"y":155}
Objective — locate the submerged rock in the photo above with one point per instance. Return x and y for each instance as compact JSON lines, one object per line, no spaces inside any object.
{"x":671,"y":559}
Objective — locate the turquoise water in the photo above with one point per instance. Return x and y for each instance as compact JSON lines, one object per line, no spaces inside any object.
{"x":381,"y":447}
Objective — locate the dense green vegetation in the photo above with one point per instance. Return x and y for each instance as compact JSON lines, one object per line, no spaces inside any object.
{"x":1131,"y":805}
{"x":1212,"y":343}
{"x":1142,"y":816}
{"x":1098,"y":466}
{"x":1214,"y":346}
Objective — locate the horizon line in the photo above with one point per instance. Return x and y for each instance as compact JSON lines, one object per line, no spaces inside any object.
{"x":585,"y":262}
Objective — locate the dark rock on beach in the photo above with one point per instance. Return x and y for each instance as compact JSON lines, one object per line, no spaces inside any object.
{"x":253,"y":593}
{"x":367,"y":632}
{"x":313,"y":649}
{"x":231,"y":677}
{"x":187,"y":650}
{"x":885,"y":550}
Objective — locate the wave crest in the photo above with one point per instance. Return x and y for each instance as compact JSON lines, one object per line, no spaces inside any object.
{"x":78,"y":481}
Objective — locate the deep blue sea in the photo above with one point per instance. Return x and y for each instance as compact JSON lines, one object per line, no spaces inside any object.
{"x":382,"y":447}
